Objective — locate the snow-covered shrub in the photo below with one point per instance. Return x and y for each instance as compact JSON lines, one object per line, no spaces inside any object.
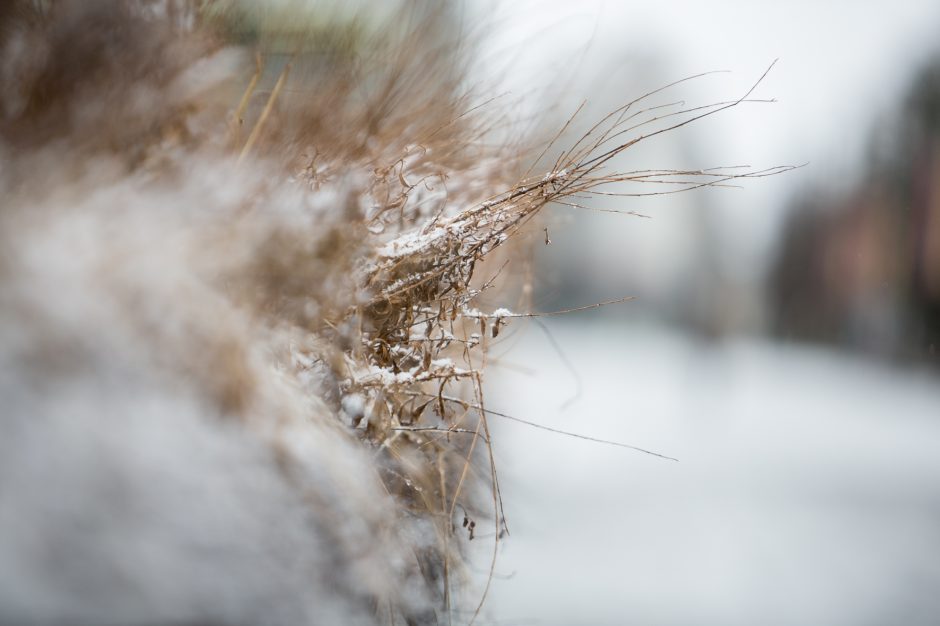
{"x":241,"y":347}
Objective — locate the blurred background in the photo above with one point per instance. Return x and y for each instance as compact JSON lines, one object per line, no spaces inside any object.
{"x":784,"y":340}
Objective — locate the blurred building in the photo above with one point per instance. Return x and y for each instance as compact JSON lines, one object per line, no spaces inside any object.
{"x":862,"y":269}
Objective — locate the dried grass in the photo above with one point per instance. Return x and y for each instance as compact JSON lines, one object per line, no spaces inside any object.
{"x":379,"y":287}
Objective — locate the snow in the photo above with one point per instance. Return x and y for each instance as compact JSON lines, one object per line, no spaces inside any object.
{"x":807,"y":490}
{"x":354,"y":405}
{"x":386,"y":377}
{"x":410,"y":243}
{"x":498,"y":314}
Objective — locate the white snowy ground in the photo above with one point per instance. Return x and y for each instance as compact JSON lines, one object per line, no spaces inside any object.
{"x":807,"y":492}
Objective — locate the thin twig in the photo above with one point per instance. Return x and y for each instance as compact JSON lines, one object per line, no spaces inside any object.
{"x":579,"y":436}
{"x":269,"y":105}
{"x":567,"y":363}
{"x":557,"y":431}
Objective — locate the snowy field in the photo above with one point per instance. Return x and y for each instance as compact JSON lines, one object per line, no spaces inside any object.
{"x":807,"y":491}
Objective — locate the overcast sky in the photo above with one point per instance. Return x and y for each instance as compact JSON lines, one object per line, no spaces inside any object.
{"x":842,"y":66}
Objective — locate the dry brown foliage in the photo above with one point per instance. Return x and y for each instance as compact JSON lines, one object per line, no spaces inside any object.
{"x":371,"y":300}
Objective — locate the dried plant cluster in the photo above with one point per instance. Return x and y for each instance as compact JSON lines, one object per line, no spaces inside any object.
{"x":282,"y":218}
